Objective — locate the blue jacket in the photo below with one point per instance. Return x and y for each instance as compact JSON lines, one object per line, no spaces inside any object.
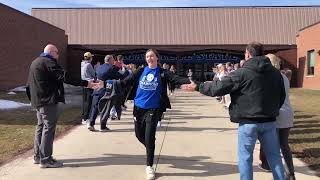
{"x":107,"y":72}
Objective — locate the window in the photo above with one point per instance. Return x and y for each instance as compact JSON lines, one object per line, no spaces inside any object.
{"x":310,"y":62}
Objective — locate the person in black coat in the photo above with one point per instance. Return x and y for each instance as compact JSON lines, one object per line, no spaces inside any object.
{"x":257,"y":94}
{"x":149,"y":92}
{"x":45,"y":90}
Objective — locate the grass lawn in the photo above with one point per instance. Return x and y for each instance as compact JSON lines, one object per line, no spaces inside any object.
{"x":17,"y":126}
{"x":305,"y":135}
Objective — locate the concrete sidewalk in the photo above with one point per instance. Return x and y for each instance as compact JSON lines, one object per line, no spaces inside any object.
{"x":197,"y":141}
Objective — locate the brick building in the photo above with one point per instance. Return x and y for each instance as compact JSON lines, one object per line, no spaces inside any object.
{"x":182,"y":34}
{"x":23,"y":38}
{"x":193,"y":38}
{"x":308,"y":43}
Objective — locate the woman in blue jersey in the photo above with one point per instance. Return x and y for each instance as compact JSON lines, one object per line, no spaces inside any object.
{"x":149,"y":92}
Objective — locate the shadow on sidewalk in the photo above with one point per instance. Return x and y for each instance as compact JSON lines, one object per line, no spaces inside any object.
{"x":178,"y":129}
{"x":185,"y":104}
{"x":198,"y":117}
{"x":200,"y":165}
{"x":197,"y":129}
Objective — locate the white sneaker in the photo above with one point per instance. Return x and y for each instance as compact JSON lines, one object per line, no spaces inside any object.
{"x":113,"y":117}
{"x":84,"y":122}
{"x":159,"y":124}
{"x":150,"y":174}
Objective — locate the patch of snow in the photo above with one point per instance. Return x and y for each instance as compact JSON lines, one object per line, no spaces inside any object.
{"x":19,"y":89}
{"x":11,"y":93}
{"x":5,"y":104}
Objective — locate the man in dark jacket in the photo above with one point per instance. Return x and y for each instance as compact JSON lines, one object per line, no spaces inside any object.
{"x":107,"y":71}
{"x":257,"y":93}
{"x":45,"y":90}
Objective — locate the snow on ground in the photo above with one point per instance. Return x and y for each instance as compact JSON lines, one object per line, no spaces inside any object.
{"x":5,"y":104}
{"x":72,"y":95}
{"x":19,"y":89}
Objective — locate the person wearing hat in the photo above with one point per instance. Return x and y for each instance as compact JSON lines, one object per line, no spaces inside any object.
{"x":87,"y":73}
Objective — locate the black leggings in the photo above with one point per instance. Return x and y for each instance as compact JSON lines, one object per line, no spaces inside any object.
{"x":283,"y":134}
{"x":145,"y":128}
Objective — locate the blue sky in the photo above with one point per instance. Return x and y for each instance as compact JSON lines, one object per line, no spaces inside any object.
{"x":26,"y":5}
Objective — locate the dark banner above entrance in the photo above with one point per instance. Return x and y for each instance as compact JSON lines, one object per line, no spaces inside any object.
{"x":196,"y":58}
{"x":139,"y":59}
{"x":210,"y":58}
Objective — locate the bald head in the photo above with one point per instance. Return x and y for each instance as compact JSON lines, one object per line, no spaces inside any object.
{"x":52,"y":50}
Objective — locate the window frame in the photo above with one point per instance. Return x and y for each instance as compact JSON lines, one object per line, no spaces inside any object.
{"x":310,"y":71}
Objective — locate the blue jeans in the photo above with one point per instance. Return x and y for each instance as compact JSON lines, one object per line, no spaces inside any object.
{"x":247,"y":137}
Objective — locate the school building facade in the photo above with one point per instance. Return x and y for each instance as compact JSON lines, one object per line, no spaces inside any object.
{"x":195,"y":38}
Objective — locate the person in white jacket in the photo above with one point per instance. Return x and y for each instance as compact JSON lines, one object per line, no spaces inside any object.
{"x":283,"y":123}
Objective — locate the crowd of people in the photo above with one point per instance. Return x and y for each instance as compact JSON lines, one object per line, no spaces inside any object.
{"x":255,"y":91}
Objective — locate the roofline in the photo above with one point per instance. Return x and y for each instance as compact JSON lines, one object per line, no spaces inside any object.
{"x":318,"y":22}
{"x":30,"y":16}
{"x":203,"y":7}
{"x":177,"y":44}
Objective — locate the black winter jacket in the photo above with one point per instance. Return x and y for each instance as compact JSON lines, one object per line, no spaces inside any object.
{"x":257,"y":91}
{"x":166,"y":76}
{"x":113,"y":96}
{"x":45,"y":82}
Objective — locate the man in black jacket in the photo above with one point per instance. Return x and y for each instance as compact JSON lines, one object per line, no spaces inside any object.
{"x":45,"y":90}
{"x":257,"y":93}
{"x":107,"y":71}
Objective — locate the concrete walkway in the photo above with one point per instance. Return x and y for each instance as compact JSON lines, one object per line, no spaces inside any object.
{"x":197,"y":141}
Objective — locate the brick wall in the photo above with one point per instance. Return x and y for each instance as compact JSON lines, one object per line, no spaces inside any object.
{"x":308,"y":39}
{"x":23,"y":38}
